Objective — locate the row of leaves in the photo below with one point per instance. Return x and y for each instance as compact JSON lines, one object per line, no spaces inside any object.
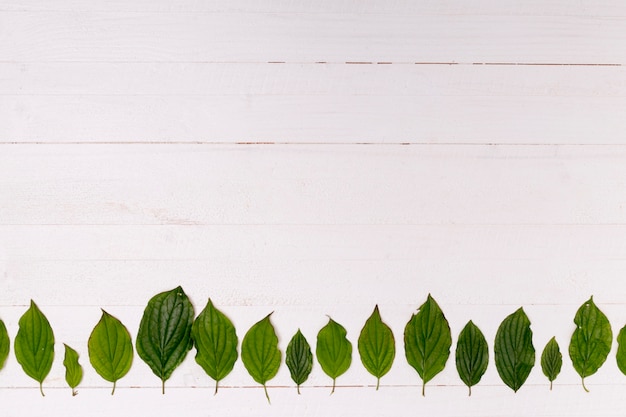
{"x":168,"y":331}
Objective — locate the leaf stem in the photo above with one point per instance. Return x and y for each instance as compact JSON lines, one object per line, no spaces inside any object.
{"x":41,"y":389}
{"x":298,"y":389}
{"x":163,"y":386}
{"x":216,"y":384}
{"x":470,"y":391}
{"x":333,"y":390}
{"x":74,"y":392}
{"x":550,"y":385}
{"x":113,"y":391}
{"x":377,"y":383}
{"x":584,"y":385}
{"x":423,"y":388}
{"x":266,"y":394}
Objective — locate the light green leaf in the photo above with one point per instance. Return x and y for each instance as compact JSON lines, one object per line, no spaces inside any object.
{"x":110,"y":349}
{"x":377,"y":346}
{"x":621,"y":350}
{"x":299,"y":359}
{"x":551,"y":360}
{"x":5,"y":344}
{"x":34,"y":344}
{"x":472,"y":355}
{"x":513,"y":350}
{"x":591,"y":341}
{"x":216,"y":343}
{"x":260,"y":353}
{"x":427,"y":341}
{"x":73,"y":370}
{"x":164,"y":335}
{"x":334,"y":350}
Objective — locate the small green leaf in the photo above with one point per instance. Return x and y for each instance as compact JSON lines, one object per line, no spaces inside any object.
{"x":513,"y":350}
{"x":427,"y":341}
{"x":621,"y":350}
{"x":34,"y":344}
{"x":377,"y":346}
{"x":591,"y":341}
{"x":472,"y":355}
{"x":73,"y":370}
{"x":5,"y":344}
{"x":551,"y":360}
{"x":260,"y":353}
{"x":110,"y":349}
{"x":216,"y":343}
{"x":334,"y":350}
{"x":164,"y":335}
{"x":299,"y":358}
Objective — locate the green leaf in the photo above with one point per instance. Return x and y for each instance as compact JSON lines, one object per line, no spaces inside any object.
{"x":110,"y":349}
{"x":164,"y":335}
{"x":427,"y":341}
{"x":334,"y":350}
{"x":216,"y":343}
{"x":591,"y":341}
{"x":299,"y":358}
{"x":34,"y":344}
{"x":5,"y":344}
{"x":472,"y":355}
{"x":513,"y":350}
{"x":621,"y":350}
{"x":551,"y":360}
{"x":260,"y":353}
{"x":377,"y":346}
{"x":73,"y":370}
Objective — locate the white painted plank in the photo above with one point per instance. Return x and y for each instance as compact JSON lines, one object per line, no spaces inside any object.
{"x":312,"y":185}
{"x":485,"y":7}
{"x":295,"y":37}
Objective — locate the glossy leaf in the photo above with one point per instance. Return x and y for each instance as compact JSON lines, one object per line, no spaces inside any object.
{"x":73,"y":370}
{"x":110,"y":349}
{"x":551,"y":360}
{"x":377,"y":346}
{"x":164,"y":335}
{"x":333,"y":350}
{"x":621,"y":350}
{"x":472,"y":355}
{"x":591,"y":341}
{"x":513,"y":350}
{"x":260,"y":353}
{"x":5,"y":344}
{"x":216,"y":343}
{"x":34,"y":344}
{"x":427,"y":341}
{"x":299,"y":358}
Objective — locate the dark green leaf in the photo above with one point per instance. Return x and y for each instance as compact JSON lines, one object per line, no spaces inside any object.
{"x":73,"y":370}
{"x":513,"y":350}
{"x":334,"y":350}
{"x":377,"y":346}
{"x":34,"y":344}
{"x":621,"y":350}
{"x":591,"y":341}
{"x":427,"y":341}
{"x":551,"y":360}
{"x":299,"y":358}
{"x":216,"y":343}
{"x":5,"y":344}
{"x":110,"y":349}
{"x":472,"y":355}
{"x":260,"y":353}
{"x":164,"y":336}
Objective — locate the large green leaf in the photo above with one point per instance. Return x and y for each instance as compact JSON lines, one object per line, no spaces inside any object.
{"x":591,"y":341}
{"x":621,"y":350}
{"x":377,"y":346}
{"x":164,"y":335}
{"x":513,"y":350}
{"x":73,"y":370}
{"x":551,"y":360}
{"x":299,"y":359}
{"x":260,"y":353}
{"x":34,"y":344}
{"x":472,"y":355}
{"x":333,"y":350}
{"x":5,"y":344}
{"x":216,"y":343}
{"x":427,"y":341}
{"x":110,"y":349}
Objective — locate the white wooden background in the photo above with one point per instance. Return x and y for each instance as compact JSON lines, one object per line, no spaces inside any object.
{"x":312,"y":159}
